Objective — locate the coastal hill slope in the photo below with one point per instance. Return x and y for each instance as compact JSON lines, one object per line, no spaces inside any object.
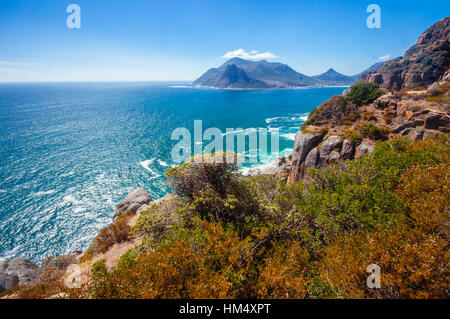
{"x":238,"y":73}
{"x":405,"y":97}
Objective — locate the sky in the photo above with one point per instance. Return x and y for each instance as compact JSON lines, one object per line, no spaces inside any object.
{"x":178,"y":40}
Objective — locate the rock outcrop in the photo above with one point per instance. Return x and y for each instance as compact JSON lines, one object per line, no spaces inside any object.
{"x":133,"y":202}
{"x":8,"y":281}
{"x":318,"y":151}
{"x":422,"y":65}
{"x":18,"y":271}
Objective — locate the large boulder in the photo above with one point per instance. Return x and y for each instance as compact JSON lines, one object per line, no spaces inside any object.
{"x":312,"y":159}
{"x":329,"y":145}
{"x":364,"y":149}
{"x":348,"y":148}
{"x":26,"y":271}
{"x":304,"y":143}
{"x":133,"y":202}
{"x":435,"y":121}
{"x":8,"y":281}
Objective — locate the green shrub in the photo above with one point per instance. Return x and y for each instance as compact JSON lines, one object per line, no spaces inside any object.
{"x":333,"y":112}
{"x":364,"y":93}
{"x":351,"y":135}
{"x":373,"y":132}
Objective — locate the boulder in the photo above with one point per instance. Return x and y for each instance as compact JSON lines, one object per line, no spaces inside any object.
{"x":304,"y":143}
{"x":416,"y":134}
{"x":364,"y":149}
{"x":403,"y":126}
{"x":334,"y":158}
{"x":347,"y":150}
{"x":8,"y":281}
{"x":133,"y":201}
{"x":433,"y":121}
{"x":312,"y":159}
{"x":26,"y":271}
{"x":330,"y":144}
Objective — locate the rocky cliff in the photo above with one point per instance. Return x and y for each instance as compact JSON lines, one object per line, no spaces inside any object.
{"x":422,"y":65}
{"x":411,"y":98}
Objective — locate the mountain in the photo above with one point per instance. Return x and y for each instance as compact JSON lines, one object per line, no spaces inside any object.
{"x":331,"y":77}
{"x":238,"y":73}
{"x":423,"y":64}
{"x":244,"y":74}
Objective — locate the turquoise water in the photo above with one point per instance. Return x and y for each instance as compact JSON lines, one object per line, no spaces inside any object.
{"x":71,"y":152}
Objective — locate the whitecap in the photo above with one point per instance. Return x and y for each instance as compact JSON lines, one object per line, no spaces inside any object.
{"x":43,"y":193}
{"x":289,"y":136}
{"x":146,"y":164}
{"x":162,"y":163}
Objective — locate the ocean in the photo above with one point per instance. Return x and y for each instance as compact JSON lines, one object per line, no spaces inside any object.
{"x":71,"y":151}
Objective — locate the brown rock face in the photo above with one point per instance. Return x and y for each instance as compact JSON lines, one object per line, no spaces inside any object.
{"x":423,"y":64}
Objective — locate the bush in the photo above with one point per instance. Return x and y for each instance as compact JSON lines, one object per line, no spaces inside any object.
{"x":313,"y":239}
{"x":207,"y":261}
{"x":284,"y":273}
{"x":364,"y":93}
{"x":373,"y":132}
{"x":351,"y":135}
{"x":411,"y":264}
{"x":117,"y":232}
{"x":159,"y":219}
{"x":214,"y":171}
{"x":333,"y":112}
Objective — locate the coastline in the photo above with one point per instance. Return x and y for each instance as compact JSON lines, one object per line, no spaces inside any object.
{"x":266,"y":89}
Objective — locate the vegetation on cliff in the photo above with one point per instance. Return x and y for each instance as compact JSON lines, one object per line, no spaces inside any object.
{"x":313,"y":239}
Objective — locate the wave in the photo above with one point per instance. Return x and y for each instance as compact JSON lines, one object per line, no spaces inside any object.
{"x":292,"y":119}
{"x":289,"y":136}
{"x":146,"y":164}
{"x":162,"y":163}
{"x":43,"y":193}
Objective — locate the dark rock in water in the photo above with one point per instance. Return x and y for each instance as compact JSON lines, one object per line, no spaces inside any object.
{"x":8,"y":281}
{"x":133,"y":201}
{"x":25,"y":270}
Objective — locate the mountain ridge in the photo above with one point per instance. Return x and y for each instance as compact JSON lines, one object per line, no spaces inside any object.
{"x":269,"y":75}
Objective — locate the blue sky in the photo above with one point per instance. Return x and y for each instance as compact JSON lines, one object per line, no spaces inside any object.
{"x":153,"y":40}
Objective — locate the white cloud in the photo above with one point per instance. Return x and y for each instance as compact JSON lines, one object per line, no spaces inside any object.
{"x":384,"y":57}
{"x":251,"y":55}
